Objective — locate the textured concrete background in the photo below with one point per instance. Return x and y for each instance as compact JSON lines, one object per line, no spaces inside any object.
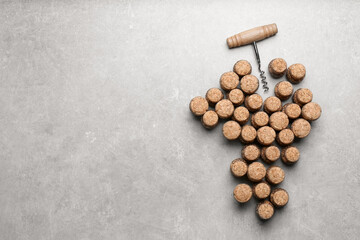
{"x":97,"y":141}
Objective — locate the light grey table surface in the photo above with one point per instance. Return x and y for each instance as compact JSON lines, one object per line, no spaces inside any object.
{"x":97,"y":141}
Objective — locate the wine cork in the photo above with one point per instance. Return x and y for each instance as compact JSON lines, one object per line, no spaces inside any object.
{"x":279,"y":121}
{"x":296,"y":73}
{"x":236,"y":96}
{"x":311,"y":111}
{"x":210,"y":119}
{"x":265,"y":210}
{"x":241,"y":114}
{"x":266,"y":135}
{"x":256,"y":172}
{"x":272,"y":104}
{"x":242,"y":68}
{"x":259,"y":119}
{"x":279,"y":197}
{"x":249,"y":84}
{"x":302,"y":96}
{"x":261,"y":190}
{"x":301,"y":128}
{"x":248,"y":134}
{"x":242,"y":193}
{"x":224,"y":108}
{"x":277,"y":67}
{"x":285,"y":137}
{"x":213,"y":96}
{"x":283,"y":90}
{"x":290,"y":155}
{"x":250,"y":153}
{"x":270,"y":154}
{"x":231,"y":130}
{"x":238,"y":167}
{"x":274,"y":175}
{"x":198,"y":106}
{"x":229,"y":81}
{"x":292,"y":110}
{"x":253,"y":102}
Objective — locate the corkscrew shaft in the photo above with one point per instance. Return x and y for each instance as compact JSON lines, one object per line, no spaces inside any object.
{"x":262,"y":73}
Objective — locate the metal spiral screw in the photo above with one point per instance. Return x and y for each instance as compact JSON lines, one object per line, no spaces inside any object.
{"x":262,"y":73}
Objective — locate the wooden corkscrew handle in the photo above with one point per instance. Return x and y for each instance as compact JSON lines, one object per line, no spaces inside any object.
{"x":252,"y":35}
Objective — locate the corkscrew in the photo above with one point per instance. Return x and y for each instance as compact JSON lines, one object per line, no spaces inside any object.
{"x":252,"y":36}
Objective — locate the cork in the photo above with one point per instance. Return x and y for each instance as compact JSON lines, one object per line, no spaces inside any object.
{"x":290,"y":155}
{"x":261,"y":190}
{"x":242,"y":193}
{"x":236,"y":96}
{"x":292,"y":110}
{"x":256,"y":172}
{"x":272,"y":104}
{"x":198,"y":106}
{"x":265,"y":210}
{"x":266,"y":135}
{"x":279,"y":121}
{"x":259,"y":119}
{"x":274,"y":175}
{"x":302,"y":96}
{"x":248,"y":134}
{"x":277,"y":67}
{"x":213,"y":96}
{"x":241,"y":114}
{"x":224,"y":108}
{"x":249,"y":84}
{"x":253,"y":102}
{"x":210,"y":119}
{"x":270,"y":154}
{"x":231,"y":130}
{"x":296,"y":73}
{"x":301,"y":128}
{"x":283,"y":90}
{"x":238,"y":167}
{"x":250,"y":152}
{"x":242,"y":68}
{"x":285,"y":137}
{"x":311,"y":111}
{"x":229,"y":81}
{"x":279,"y":197}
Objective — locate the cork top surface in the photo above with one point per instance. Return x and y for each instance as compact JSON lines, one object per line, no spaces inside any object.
{"x":279,"y":197}
{"x":236,"y":96}
{"x":253,"y":102}
{"x":272,"y":104}
{"x":311,"y":111}
{"x":291,"y":154}
{"x":279,"y":121}
{"x":238,"y":167}
{"x":265,"y":210}
{"x":242,"y":68}
{"x":272,"y":153}
{"x":198,"y":106}
{"x":210,"y":118}
{"x":214,"y":95}
{"x":301,"y":128}
{"x":275,"y":175}
{"x":248,"y":133}
{"x":266,"y":135}
{"x":286,"y":136}
{"x":241,"y":114}
{"x":250,"y":152}
{"x":242,"y":193}
{"x":292,"y":110}
{"x":297,"y":71}
{"x":224,"y":108}
{"x":303,"y":96}
{"x":283,"y":89}
{"x":260,"y":119}
{"x":256,"y":171}
{"x":229,"y":81}
{"x":262,"y":190}
{"x":249,"y":84}
{"x":278,"y":66}
{"x":231,"y":130}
